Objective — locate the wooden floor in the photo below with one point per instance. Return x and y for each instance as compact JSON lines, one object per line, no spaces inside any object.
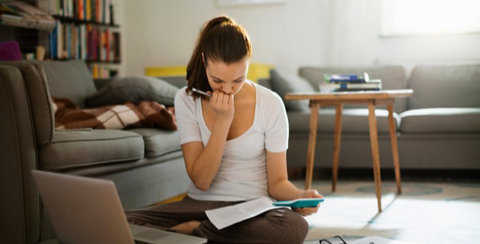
{"x":366,"y":174}
{"x":298,"y":175}
{"x":173,"y":199}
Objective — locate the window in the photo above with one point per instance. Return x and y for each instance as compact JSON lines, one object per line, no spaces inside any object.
{"x":421,"y":17}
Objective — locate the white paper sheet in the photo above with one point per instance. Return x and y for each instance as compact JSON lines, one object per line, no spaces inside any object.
{"x":226,"y":216}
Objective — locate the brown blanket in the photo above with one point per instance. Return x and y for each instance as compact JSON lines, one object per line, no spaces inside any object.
{"x":146,"y":114}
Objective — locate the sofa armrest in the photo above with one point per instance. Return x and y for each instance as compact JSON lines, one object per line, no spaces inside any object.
{"x":38,"y":95}
{"x":19,"y":202}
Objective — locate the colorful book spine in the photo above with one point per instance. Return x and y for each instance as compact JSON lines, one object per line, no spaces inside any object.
{"x":80,"y":10}
{"x":88,"y":8}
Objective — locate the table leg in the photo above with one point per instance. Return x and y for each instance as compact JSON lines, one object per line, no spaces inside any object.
{"x":372,"y":120}
{"x":312,"y":139}
{"x":393,"y":138}
{"x":336,"y":144}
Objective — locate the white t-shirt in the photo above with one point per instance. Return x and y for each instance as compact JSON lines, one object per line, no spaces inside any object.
{"x":242,"y":174}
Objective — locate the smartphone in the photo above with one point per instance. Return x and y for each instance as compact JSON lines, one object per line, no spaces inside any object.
{"x":300,"y":203}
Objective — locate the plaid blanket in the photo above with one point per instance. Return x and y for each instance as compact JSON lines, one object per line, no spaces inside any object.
{"x":128,"y":115}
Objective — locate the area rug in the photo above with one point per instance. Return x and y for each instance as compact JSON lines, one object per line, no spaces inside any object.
{"x":423,"y":213}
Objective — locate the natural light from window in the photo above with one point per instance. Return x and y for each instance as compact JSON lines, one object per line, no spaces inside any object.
{"x":423,"y":17}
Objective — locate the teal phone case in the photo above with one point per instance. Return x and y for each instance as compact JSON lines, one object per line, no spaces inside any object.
{"x":300,"y":203}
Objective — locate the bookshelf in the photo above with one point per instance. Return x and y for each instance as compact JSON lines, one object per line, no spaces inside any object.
{"x":85,"y":30}
{"x":24,"y":25}
{"x":77,"y":30}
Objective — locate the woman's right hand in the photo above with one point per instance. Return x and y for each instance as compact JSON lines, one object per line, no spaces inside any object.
{"x":223,"y":106}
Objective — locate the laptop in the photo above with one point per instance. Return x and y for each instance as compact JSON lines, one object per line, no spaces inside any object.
{"x":86,"y":210}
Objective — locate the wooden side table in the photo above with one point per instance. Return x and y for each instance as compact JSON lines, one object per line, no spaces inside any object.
{"x":371,"y":98}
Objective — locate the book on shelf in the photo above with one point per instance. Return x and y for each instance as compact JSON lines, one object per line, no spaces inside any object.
{"x":84,"y":42}
{"x":97,"y":11}
{"x":115,"y":50}
{"x":371,"y":85}
{"x":103,"y":71}
{"x":21,"y":14}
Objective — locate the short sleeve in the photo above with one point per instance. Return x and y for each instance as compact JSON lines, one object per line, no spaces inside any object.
{"x":276,"y":124}
{"x":186,"y":117}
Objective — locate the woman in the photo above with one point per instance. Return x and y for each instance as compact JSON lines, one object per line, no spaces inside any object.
{"x":234,"y":143}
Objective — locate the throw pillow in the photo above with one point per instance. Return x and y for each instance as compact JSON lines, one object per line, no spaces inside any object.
{"x":284,"y":83}
{"x":10,"y":51}
{"x":134,"y":89}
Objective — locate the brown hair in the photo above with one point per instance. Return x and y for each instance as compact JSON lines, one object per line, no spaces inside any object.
{"x":220,"y":40}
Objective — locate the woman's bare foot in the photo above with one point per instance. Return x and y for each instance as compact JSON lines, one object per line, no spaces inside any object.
{"x":186,"y":227}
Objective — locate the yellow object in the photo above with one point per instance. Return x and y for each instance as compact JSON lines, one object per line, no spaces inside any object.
{"x":255,"y":71}
{"x":166,"y":71}
{"x":173,"y":199}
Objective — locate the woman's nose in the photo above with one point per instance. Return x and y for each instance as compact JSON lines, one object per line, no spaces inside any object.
{"x":227,"y":89}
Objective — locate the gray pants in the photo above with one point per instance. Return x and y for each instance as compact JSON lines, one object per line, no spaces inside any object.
{"x":274,"y":226}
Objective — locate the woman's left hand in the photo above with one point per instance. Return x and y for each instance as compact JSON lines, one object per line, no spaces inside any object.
{"x":308,"y":211}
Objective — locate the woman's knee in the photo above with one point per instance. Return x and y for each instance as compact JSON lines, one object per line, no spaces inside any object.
{"x":292,"y":228}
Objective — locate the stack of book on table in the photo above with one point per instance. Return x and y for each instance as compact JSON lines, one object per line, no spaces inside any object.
{"x":349,"y":82}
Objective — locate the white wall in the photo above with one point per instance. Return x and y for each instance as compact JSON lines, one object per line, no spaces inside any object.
{"x":162,"y":32}
{"x":357,"y":41}
{"x":120,"y":19}
{"x":288,"y":35}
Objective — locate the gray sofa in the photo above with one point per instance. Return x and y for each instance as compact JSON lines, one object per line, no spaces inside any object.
{"x":438,"y":127}
{"x":146,"y":164}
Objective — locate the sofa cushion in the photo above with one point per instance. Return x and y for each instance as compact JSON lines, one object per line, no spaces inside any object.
{"x":353,"y":121}
{"x":39,"y":95}
{"x":393,"y":77}
{"x":134,"y":89}
{"x":86,"y":147}
{"x":283,"y":83}
{"x":265,"y":82}
{"x":158,"y":142}
{"x":70,"y":79}
{"x":440,"y":120}
{"x":445,"y":86}
{"x":177,"y":81}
